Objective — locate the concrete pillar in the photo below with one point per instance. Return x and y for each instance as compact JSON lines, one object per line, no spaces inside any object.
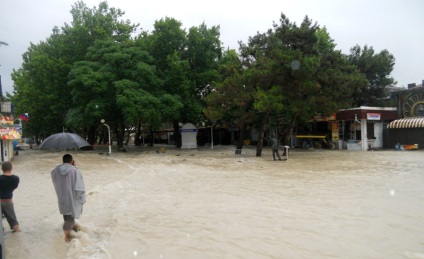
{"x":364,"y":137}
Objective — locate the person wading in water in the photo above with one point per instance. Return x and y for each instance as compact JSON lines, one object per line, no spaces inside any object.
{"x":70,"y":190}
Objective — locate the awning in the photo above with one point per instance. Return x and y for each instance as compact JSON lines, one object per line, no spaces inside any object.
{"x":407,"y":123}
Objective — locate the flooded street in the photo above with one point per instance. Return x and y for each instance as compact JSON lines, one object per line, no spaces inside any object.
{"x":214,"y":204}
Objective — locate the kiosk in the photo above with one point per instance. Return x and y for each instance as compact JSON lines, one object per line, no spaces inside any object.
{"x":188,"y":136}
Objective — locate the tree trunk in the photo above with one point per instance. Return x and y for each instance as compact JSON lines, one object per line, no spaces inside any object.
{"x":120,"y":135}
{"x":137,"y":137}
{"x":104,"y":137}
{"x":241,"y":138}
{"x":151,"y":139}
{"x":288,"y":131}
{"x":128,"y":137}
{"x":177,"y":134}
{"x":261,"y":133}
{"x":119,"y":139}
{"x":91,"y":135}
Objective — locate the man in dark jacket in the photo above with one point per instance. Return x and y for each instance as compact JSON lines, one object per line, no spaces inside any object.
{"x":8,"y":183}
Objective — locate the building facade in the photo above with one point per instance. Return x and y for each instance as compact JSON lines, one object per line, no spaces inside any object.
{"x":407,"y":132}
{"x":9,"y":131}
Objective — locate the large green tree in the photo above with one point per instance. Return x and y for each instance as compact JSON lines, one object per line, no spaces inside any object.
{"x":281,"y":65}
{"x":203,"y":54}
{"x":117,"y":82}
{"x":88,"y":26}
{"x":294,"y":72}
{"x":41,"y":84}
{"x":231,"y":101}
{"x":377,"y":68}
{"x":187,"y":63}
{"x":40,"y":87}
{"x":166,"y":44}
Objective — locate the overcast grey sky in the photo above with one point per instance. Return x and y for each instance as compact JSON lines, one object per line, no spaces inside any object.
{"x":395,"y":25}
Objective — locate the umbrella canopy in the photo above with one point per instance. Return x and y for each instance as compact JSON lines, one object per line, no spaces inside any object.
{"x":63,"y":141}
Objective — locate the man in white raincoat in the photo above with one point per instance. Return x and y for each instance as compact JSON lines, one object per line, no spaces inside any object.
{"x":70,"y":190}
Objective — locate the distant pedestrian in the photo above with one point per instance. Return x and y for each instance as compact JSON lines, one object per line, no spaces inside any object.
{"x":8,"y":183}
{"x":70,"y":190}
{"x":274,"y":147}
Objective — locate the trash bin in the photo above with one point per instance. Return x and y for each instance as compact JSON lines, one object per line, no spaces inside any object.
{"x":285,"y":150}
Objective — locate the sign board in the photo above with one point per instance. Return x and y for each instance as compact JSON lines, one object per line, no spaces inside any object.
{"x":335,"y":131}
{"x":319,"y":117}
{"x":335,"y":136}
{"x":9,"y":133}
{"x":373,"y":116}
{"x":7,"y":120}
{"x":6,"y":107}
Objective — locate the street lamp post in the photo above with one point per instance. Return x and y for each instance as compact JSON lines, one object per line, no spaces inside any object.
{"x":108,"y":131}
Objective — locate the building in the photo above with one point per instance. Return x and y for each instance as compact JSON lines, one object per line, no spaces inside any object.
{"x":362,"y":128}
{"x":408,"y":131}
{"x":9,"y":131}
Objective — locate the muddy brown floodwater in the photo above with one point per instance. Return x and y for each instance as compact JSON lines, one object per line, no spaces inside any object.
{"x":215,"y":204}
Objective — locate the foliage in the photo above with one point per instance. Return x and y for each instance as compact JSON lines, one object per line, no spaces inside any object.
{"x":187,"y":65}
{"x":203,"y":54}
{"x":377,"y":68}
{"x":118,"y":83}
{"x":293,"y":72}
{"x":186,"y":62}
{"x":41,"y":84}
{"x":227,"y":99}
{"x":93,"y":68}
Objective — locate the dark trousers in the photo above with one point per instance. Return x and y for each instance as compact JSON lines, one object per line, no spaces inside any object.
{"x":69,"y":222}
{"x":8,"y":211}
{"x":275,"y":151}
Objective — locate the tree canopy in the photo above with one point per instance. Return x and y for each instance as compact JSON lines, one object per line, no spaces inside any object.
{"x":97,"y":67}
{"x":292,"y":73}
{"x":376,"y":67}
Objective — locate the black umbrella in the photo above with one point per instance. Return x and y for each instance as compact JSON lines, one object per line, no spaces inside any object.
{"x":63,"y":141}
